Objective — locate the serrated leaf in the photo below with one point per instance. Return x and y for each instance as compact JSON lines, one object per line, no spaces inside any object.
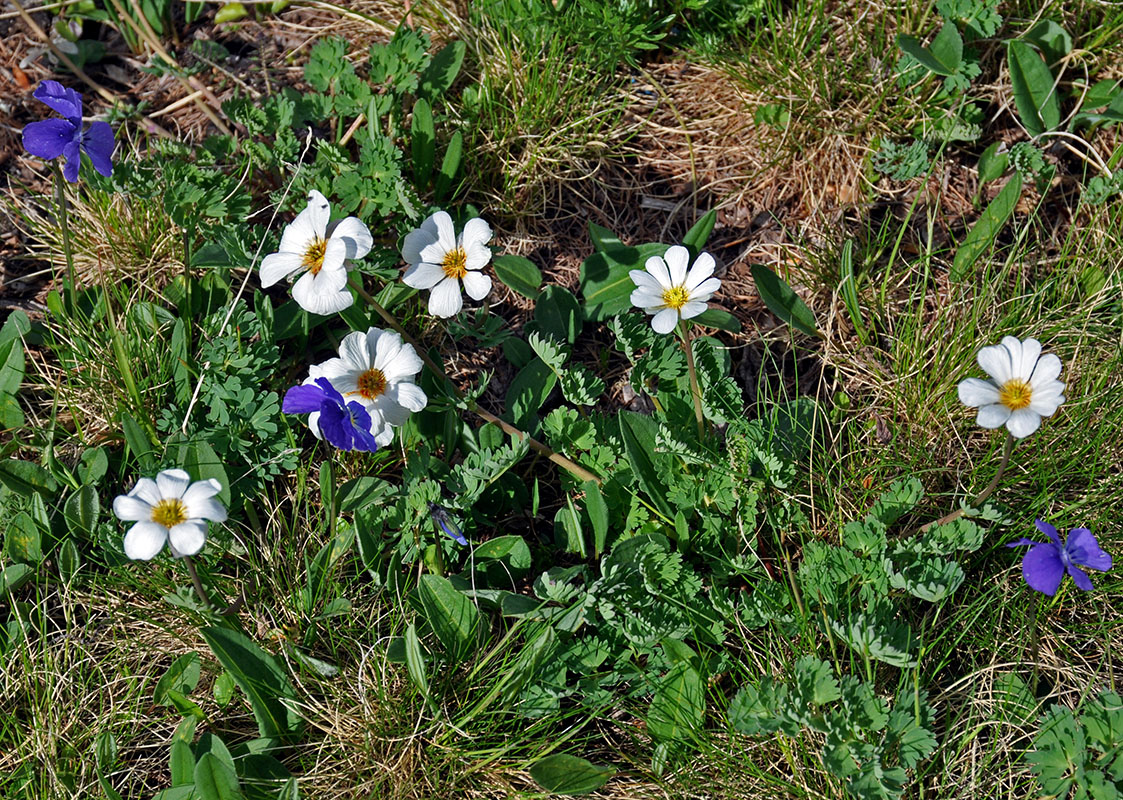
{"x":782,"y":301}
{"x":561,"y":773}
{"x":519,"y":274}
{"x":986,"y":228}
{"x":815,"y":683}
{"x":1034,"y":95}
{"x":260,"y":677}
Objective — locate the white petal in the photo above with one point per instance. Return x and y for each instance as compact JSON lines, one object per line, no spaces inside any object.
{"x":476,"y":284}
{"x":657,"y":268}
{"x":692,"y":309}
{"x":147,"y":491}
{"x":644,"y":280}
{"x":423,"y":275}
{"x":477,"y":256}
{"x":391,"y":413}
{"x":314,"y":424}
{"x":187,"y":538}
{"x":677,"y":258}
{"x":131,"y":508}
{"x":446,"y":235}
{"x":322,"y":293}
{"x":276,"y":266}
{"x":144,"y":540}
{"x":665,"y":321}
{"x":406,"y":364}
{"x":705,"y":290}
{"x":200,"y":502}
{"x":355,"y":350}
{"x":445,"y":299}
{"x":977,"y":392}
{"x":1031,"y":351}
{"x":384,"y":436}
{"x":410,"y":396}
{"x":995,"y":361}
{"x":1013,"y":345}
{"x":354,"y":235}
{"x":418,"y":240}
{"x":476,"y":232}
{"x":1046,"y":401}
{"x":385,"y":347}
{"x":335,"y":253}
{"x":992,"y":416}
{"x":172,"y":483}
{"x":332,"y":369}
{"x":702,"y":268}
{"x":310,"y":224}
{"x":645,"y":298}
{"x":1047,"y":369}
{"x":1023,"y":422}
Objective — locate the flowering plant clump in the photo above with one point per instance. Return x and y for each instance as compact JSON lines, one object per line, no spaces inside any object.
{"x":169,"y":509}
{"x":345,"y":425}
{"x":440,"y":262}
{"x":51,"y":138}
{"x":307,"y":246}
{"x":1045,"y":563}
{"x":1023,"y":386}
{"x":376,"y":370}
{"x":669,"y":292}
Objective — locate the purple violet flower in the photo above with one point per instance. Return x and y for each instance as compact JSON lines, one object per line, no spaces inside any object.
{"x":51,"y":138}
{"x":345,"y":425}
{"x":1045,"y":563}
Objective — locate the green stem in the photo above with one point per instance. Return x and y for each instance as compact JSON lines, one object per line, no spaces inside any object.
{"x":573,"y":468}
{"x":1007,"y":450}
{"x":233,"y":608}
{"x":64,"y":224}
{"x":695,"y":390}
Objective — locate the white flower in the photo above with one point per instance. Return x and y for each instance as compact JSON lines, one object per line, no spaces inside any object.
{"x":308,"y":247}
{"x":376,"y":369}
{"x":671,"y":293}
{"x":1023,"y":386}
{"x":169,"y":509}
{"x":439,"y":262}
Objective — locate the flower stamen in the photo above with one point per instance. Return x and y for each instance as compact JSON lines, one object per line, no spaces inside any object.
{"x":675,"y":298}
{"x":313,"y":260}
{"x":372,"y":384}
{"x":1015,"y":394}
{"x":169,"y":512}
{"x":455,"y":263}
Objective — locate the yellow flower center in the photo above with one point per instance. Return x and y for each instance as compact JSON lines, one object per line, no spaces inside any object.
{"x":675,"y":298}
{"x":455,"y":263}
{"x":313,"y":260}
{"x":372,"y":384}
{"x":1015,"y":394}
{"x":169,"y":513}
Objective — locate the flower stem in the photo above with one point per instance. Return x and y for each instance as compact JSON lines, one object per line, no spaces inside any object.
{"x":1007,"y":450}
{"x":64,"y":223}
{"x":233,"y":608}
{"x":695,"y":390}
{"x":572,"y":467}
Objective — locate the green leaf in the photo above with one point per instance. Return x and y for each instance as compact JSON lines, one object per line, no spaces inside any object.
{"x":782,"y":301}
{"x":11,"y":366}
{"x":182,"y":763}
{"x":1052,"y":39}
{"x":605,"y":284}
{"x":699,"y":233}
{"x":68,"y":559}
{"x":815,"y":683}
{"x":848,"y":289}
{"x":81,"y":511}
{"x":454,"y":618}
{"x":528,"y":392}
{"x":13,"y":577}
{"x":569,"y":775}
{"x":1099,"y":95}
{"x":359,"y":493}
{"x":986,"y":228}
{"x":504,"y":558}
{"x":944,"y":58}
{"x":201,"y":462}
{"x":182,"y":676}
{"x":230,"y":12}
{"x":423,"y":142}
{"x":262,"y":679}
{"x":415,"y":661}
{"x":1034,"y":95}
{"x":139,"y":444}
{"x":678,"y":708}
{"x":223,"y":690}
{"x":638,"y":433}
{"x":23,"y":540}
{"x":450,"y":164}
{"x":558,"y":314}
{"x":597,"y":509}
{"x":718,"y":318}
{"x":215,"y":780}
{"x":441,"y":73}
{"x":519,"y":274}
{"x":604,"y":240}
{"x":992,"y":164}
{"x":25,"y":477}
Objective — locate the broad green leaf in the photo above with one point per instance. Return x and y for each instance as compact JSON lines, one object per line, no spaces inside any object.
{"x":260,"y":676}
{"x":13,"y":577}
{"x":699,"y":233}
{"x":450,"y":165}
{"x":782,"y":301}
{"x":597,"y":509}
{"x":1034,"y":94}
{"x":422,"y":141}
{"x":415,"y":661}
{"x":558,"y":314}
{"x":638,"y":433}
{"x":11,"y":366}
{"x":944,"y":57}
{"x":215,"y":780}
{"x":223,"y":690}
{"x":1099,"y":95}
{"x":605,"y":284}
{"x":23,"y":541}
{"x":139,"y":444}
{"x":678,"y":708}
{"x":504,"y":558}
{"x":92,"y":465}
{"x":519,"y":274}
{"x":528,"y":392}
{"x":11,"y":415}
{"x":441,"y":73}
{"x":68,"y":559}
{"x":992,"y":164}
{"x":453,"y":617}
{"x":561,"y":773}
{"x":201,"y":463}
{"x":182,"y":676}
{"x":25,"y":477}
{"x":81,"y":511}
{"x":182,"y":763}
{"x":718,"y":318}
{"x":231,"y":11}
{"x":986,"y":228}
{"x":604,"y":240}
{"x":361,"y":492}
{"x":1052,"y":39}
